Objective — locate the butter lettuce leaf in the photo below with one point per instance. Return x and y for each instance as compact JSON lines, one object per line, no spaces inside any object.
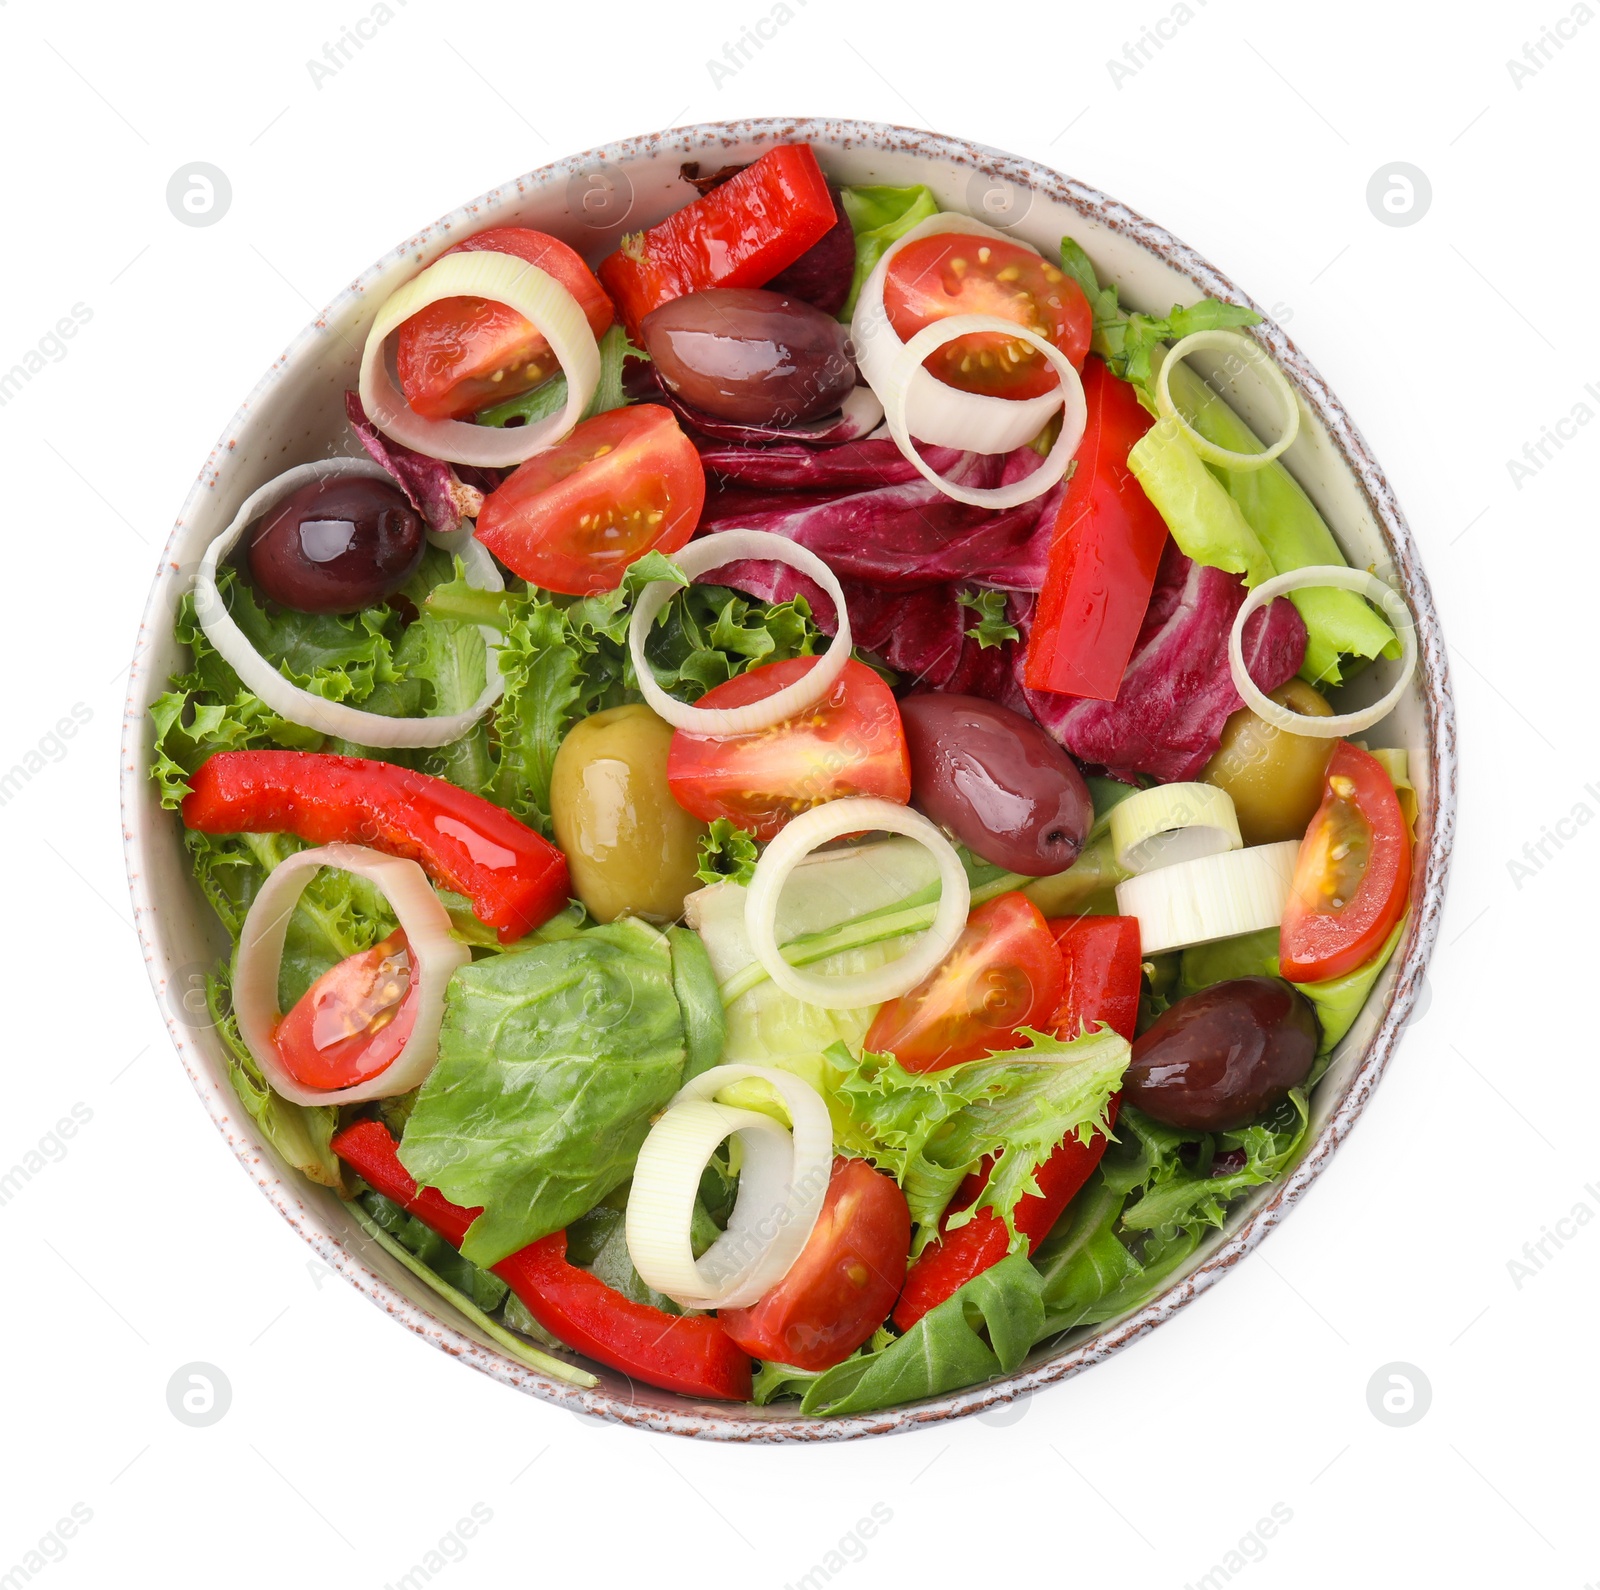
{"x":880,"y":216}
{"x":552,"y":1061}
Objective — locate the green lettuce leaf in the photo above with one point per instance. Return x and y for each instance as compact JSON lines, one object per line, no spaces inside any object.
{"x":983,"y":1330}
{"x":302,"y":1135}
{"x":552,"y":1062}
{"x":694,"y":981}
{"x":727,"y":852}
{"x":1204,"y":520}
{"x":879,"y":216}
{"x":1294,"y":534}
{"x":379,"y":660}
{"x":929,"y":1129}
{"x":991,"y":628}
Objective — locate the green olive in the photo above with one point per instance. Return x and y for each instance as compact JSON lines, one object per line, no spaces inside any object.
{"x":631,"y":847}
{"x":1275,"y":778}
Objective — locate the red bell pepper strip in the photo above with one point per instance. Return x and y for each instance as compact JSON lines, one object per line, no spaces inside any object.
{"x":1102,"y":984}
{"x":1103,"y":556}
{"x":741,"y":234}
{"x":693,"y":1355}
{"x":515,"y":879}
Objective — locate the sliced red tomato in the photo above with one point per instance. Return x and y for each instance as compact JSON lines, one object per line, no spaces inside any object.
{"x":959,"y":274}
{"x":849,"y":743}
{"x":353,"y":1021}
{"x":574,"y":517}
{"x":1004,"y":973}
{"x":462,"y":354}
{"x":841,"y":1288}
{"x":1352,"y":876}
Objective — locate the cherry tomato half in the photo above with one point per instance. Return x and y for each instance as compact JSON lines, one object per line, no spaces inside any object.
{"x":353,"y":1021}
{"x":841,"y":1288}
{"x":1352,"y":876}
{"x":462,"y":354}
{"x":573,"y":518}
{"x":1004,"y":973}
{"x":958,"y":274}
{"x":849,"y":743}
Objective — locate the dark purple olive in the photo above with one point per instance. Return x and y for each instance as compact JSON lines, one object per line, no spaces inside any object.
{"x":741,"y":353}
{"x":997,"y":781}
{"x":1223,"y":1057}
{"x":337,"y":545}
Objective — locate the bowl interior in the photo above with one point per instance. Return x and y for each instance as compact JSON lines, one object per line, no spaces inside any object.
{"x":296,"y":414}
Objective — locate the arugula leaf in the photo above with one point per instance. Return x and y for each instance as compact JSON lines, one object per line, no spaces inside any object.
{"x":1156,"y":1194}
{"x":552,"y":1061}
{"x":929,"y":1129}
{"x":991,"y":628}
{"x":944,"y":1350}
{"x":727,"y":851}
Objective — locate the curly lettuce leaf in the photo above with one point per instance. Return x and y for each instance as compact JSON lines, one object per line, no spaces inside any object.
{"x":302,"y":1135}
{"x":929,"y":1129}
{"x":991,"y":628}
{"x":379,"y":660}
{"x":552,"y":1061}
{"x":727,"y":853}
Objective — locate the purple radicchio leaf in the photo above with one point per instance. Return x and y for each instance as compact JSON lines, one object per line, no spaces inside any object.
{"x":1177,"y":691}
{"x":441,"y":495}
{"x":822,"y":275}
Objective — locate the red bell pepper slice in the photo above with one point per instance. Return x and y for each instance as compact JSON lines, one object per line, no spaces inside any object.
{"x":1106,"y":545}
{"x":515,"y":878}
{"x":692,"y":1355}
{"x":1103,"y":971}
{"x":741,"y":234}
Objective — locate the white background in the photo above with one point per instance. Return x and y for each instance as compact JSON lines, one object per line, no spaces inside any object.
{"x":351,"y":1448}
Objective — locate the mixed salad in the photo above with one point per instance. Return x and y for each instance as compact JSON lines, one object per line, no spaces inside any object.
{"x":781,"y":809}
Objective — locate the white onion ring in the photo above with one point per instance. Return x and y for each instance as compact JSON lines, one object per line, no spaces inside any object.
{"x":504,"y":279}
{"x":1252,"y":354}
{"x":782,"y":1184}
{"x":285,"y":697}
{"x":1341,"y":724}
{"x":849,"y":815}
{"x":434,"y":954}
{"x":711,"y":552}
{"x":936,"y":414}
{"x":1070,"y":399}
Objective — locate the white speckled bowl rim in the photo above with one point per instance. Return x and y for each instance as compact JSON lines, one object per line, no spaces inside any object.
{"x":317,"y":1215}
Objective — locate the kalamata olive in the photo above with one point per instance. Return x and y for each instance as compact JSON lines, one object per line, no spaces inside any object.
{"x":745,"y":354}
{"x":336,"y":545}
{"x":1223,"y":1057}
{"x":997,"y":781}
{"x":1275,"y":778}
{"x":631,"y":847}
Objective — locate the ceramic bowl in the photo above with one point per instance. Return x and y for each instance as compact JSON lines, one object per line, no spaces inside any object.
{"x":296,"y":414}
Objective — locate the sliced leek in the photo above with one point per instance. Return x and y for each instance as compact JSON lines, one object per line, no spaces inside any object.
{"x":1212,"y":897}
{"x":783,"y":1178}
{"x":282,"y":694}
{"x":1342,"y":725}
{"x":1173,"y":823}
{"x":852,"y":815}
{"x":503,"y":279}
{"x":1240,"y":350}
